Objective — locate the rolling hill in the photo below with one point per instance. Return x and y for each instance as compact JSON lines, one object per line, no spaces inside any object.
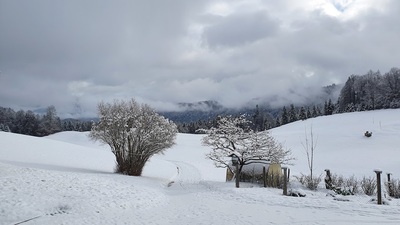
{"x":67,"y":179}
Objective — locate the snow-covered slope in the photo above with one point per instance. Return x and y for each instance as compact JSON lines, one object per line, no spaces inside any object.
{"x":67,"y":179}
{"x":341,"y":145}
{"x":43,"y":152}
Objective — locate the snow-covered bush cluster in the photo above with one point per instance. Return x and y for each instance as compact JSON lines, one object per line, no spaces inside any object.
{"x":134,"y":132}
{"x":308,"y":181}
{"x":368,"y":185}
{"x":344,"y":186}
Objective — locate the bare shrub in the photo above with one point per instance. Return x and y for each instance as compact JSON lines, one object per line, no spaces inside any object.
{"x":368,"y":185}
{"x":393,"y":188}
{"x":352,"y":184}
{"x":309,"y":182}
{"x":337,"y":180}
{"x":344,"y":186}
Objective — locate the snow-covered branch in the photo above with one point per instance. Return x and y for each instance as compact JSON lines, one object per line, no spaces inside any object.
{"x":231,"y":136}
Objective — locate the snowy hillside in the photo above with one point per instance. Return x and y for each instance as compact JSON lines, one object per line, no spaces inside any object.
{"x":341,"y":145}
{"x":67,"y":179}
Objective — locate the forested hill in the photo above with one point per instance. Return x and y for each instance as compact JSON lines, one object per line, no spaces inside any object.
{"x":30,"y":123}
{"x":369,"y":91}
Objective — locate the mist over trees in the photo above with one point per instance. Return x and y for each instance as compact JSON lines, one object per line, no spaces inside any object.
{"x":370,"y":91}
{"x":361,"y":92}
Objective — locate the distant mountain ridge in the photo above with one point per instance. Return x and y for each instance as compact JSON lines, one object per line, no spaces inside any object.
{"x":209,"y":105}
{"x":191,"y":112}
{"x":206,"y":110}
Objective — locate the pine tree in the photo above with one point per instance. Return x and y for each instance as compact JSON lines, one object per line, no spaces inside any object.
{"x":258,"y":120}
{"x":347,"y":94}
{"x":308,"y":112}
{"x":31,"y":124}
{"x":314,"y":112}
{"x":391,"y":82}
{"x":292,"y":114}
{"x":328,"y":108}
{"x":302,"y":114}
{"x":284,"y":116}
{"x":277,"y":122}
{"x":50,"y":123}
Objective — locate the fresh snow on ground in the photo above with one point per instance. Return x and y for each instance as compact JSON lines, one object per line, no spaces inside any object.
{"x":67,"y":179}
{"x":341,"y":145}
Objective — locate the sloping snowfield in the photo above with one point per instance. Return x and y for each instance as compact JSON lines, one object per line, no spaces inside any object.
{"x":67,"y":179}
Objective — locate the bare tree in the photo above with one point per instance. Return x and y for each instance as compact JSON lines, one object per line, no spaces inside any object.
{"x":309,"y":146}
{"x":134,"y":132}
{"x":233,"y":136}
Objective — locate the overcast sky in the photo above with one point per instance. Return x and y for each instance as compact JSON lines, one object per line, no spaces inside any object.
{"x":65,"y":53}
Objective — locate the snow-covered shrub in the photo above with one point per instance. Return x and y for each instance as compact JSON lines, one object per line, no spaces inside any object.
{"x":368,"y":185}
{"x":352,"y":184}
{"x":296,"y":193}
{"x":233,"y":136}
{"x":134,"y":133}
{"x":308,"y":181}
{"x":337,"y":180}
{"x":393,"y":188}
{"x":344,"y":186}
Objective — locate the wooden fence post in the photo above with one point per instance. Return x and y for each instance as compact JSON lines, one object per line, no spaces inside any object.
{"x":379,"y":187}
{"x":237,"y":176}
{"x":264,"y":176}
{"x":285,"y":178}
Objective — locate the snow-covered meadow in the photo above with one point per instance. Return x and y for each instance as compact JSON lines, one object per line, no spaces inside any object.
{"x":67,"y":179}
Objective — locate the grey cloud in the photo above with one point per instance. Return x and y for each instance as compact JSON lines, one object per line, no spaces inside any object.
{"x":239,"y":29}
{"x":66,"y":52}
{"x":329,"y":45}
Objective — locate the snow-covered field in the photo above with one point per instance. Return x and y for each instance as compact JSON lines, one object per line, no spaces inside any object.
{"x":67,"y":179}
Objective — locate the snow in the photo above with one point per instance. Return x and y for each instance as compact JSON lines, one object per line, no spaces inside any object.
{"x":342,"y":146}
{"x":67,"y":179}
